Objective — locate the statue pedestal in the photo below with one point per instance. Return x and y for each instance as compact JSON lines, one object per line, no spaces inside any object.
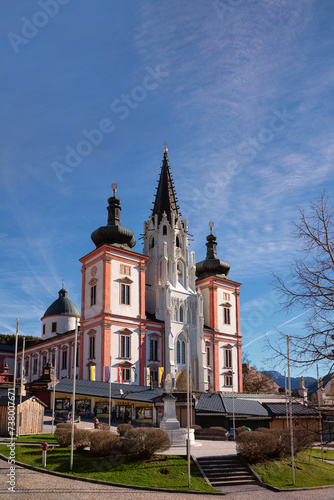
{"x":171,"y":425}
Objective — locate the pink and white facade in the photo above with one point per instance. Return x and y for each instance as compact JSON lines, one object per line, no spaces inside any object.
{"x":136,"y":309}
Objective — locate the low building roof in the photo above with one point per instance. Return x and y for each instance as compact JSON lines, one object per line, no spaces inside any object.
{"x":216,"y":403}
{"x":101,"y":389}
{"x":279,"y":409}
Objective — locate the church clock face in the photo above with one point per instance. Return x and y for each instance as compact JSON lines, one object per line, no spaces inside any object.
{"x":93,"y":271}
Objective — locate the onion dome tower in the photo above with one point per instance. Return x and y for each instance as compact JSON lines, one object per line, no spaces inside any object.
{"x":113,"y":233}
{"x":212,"y":266}
{"x":60,"y":316}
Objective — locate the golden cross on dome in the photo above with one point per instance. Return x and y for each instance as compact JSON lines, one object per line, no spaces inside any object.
{"x":114,"y":188}
{"x":211,"y":224}
{"x":165,"y":148}
{"x":63,"y":284}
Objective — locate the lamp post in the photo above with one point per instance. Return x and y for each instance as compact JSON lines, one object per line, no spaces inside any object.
{"x":73,"y":393}
{"x":21,"y":387}
{"x":110,"y":390}
{"x":233,"y":408}
{"x":188,"y":401}
{"x":290,"y":408}
{"x":54,"y":387}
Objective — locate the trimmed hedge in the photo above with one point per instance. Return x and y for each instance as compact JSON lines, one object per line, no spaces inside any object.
{"x":142,"y":443}
{"x":123,"y":429}
{"x":104,"y":443}
{"x":261,"y":445}
{"x":217,"y":433}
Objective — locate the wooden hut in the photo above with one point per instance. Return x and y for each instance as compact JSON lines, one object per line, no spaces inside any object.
{"x":30,"y":412}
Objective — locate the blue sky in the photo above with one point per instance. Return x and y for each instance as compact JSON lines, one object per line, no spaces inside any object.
{"x":242,"y":91}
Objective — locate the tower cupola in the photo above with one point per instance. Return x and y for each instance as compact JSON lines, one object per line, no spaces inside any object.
{"x":113,"y":233}
{"x":212,"y":266}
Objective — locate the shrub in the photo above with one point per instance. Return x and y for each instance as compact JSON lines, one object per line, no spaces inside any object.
{"x":241,"y":429}
{"x":142,"y":443}
{"x":103,"y":443}
{"x":257,"y":446}
{"x":104,"y":427}
{"x":123,"y":429}
{"x":302,"y":439}
{"x":195,"y":427}
{"x":220,"y":429}
{"x":81,"y":438}
{"x":212,"y":433}
{"x":264,"y":429}
{"x":65,"y":425}
{"x":63,"y":436}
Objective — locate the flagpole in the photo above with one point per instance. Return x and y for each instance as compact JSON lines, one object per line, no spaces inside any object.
{"x":110,"y":392}
{"x":21,"y":389}
{"x":73,"y":393}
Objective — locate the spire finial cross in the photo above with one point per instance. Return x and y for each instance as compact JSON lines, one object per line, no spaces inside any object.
{"x":211,"y":224}
{"x":165,"y":148}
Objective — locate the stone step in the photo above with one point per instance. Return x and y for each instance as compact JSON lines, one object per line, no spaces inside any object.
{"x":232,"y":483}
{"x":229,"y":474}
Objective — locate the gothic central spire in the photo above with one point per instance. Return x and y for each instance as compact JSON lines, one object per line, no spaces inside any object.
{"x":165,"y":198}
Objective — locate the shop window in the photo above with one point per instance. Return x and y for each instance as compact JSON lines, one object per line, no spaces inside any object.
{"x":93,"y":295}
{"x":54,"y":327}
{"x":35,"y":366}
{"x":154,"y":346}
{"x":227,"y":316}
{"x":143,"y":413}
{"x":228,"y":380}
{"x":62,"y":404}
{"x":92,"y":347}
{"x":64,"y":360}
{"x":125,"y":294}
{"x":228,"y":358}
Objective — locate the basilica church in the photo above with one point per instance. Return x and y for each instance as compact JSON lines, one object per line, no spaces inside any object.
{"x":141,"y":311}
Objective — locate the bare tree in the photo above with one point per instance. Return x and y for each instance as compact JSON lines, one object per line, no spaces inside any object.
{"x":311,"y":285}
{"x":255,"y":381}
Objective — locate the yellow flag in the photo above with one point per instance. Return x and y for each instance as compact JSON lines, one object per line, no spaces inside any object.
{"x":161,"y":372}
{"x":92,"y":372}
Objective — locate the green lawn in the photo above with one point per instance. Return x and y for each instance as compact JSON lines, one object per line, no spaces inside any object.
{"x":161,"y":472}
{"x":33,"y":438}
{"x":309,"y":471}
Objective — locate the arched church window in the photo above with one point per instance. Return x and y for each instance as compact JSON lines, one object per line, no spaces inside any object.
{"x":152,"y":242}
{"x":178,"y":351}
{"x":178,"y":242}
{"x":183,"y":352}
{"x":181,"y":314}
{"x":164,"y":230}
{"x":176,"y":315}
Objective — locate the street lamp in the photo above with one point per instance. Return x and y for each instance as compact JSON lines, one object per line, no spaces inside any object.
{"x":55,"y":350}
{"x":188,"y":401}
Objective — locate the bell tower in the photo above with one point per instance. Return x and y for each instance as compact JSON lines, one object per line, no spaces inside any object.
{"x":170,"y":281}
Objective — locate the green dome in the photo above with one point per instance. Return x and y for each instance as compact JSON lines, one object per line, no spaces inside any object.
{"x":62,"y":305}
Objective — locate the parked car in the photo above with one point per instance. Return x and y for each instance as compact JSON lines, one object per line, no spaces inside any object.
{"x":232,"y":434}
{"x":66,"y":416}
